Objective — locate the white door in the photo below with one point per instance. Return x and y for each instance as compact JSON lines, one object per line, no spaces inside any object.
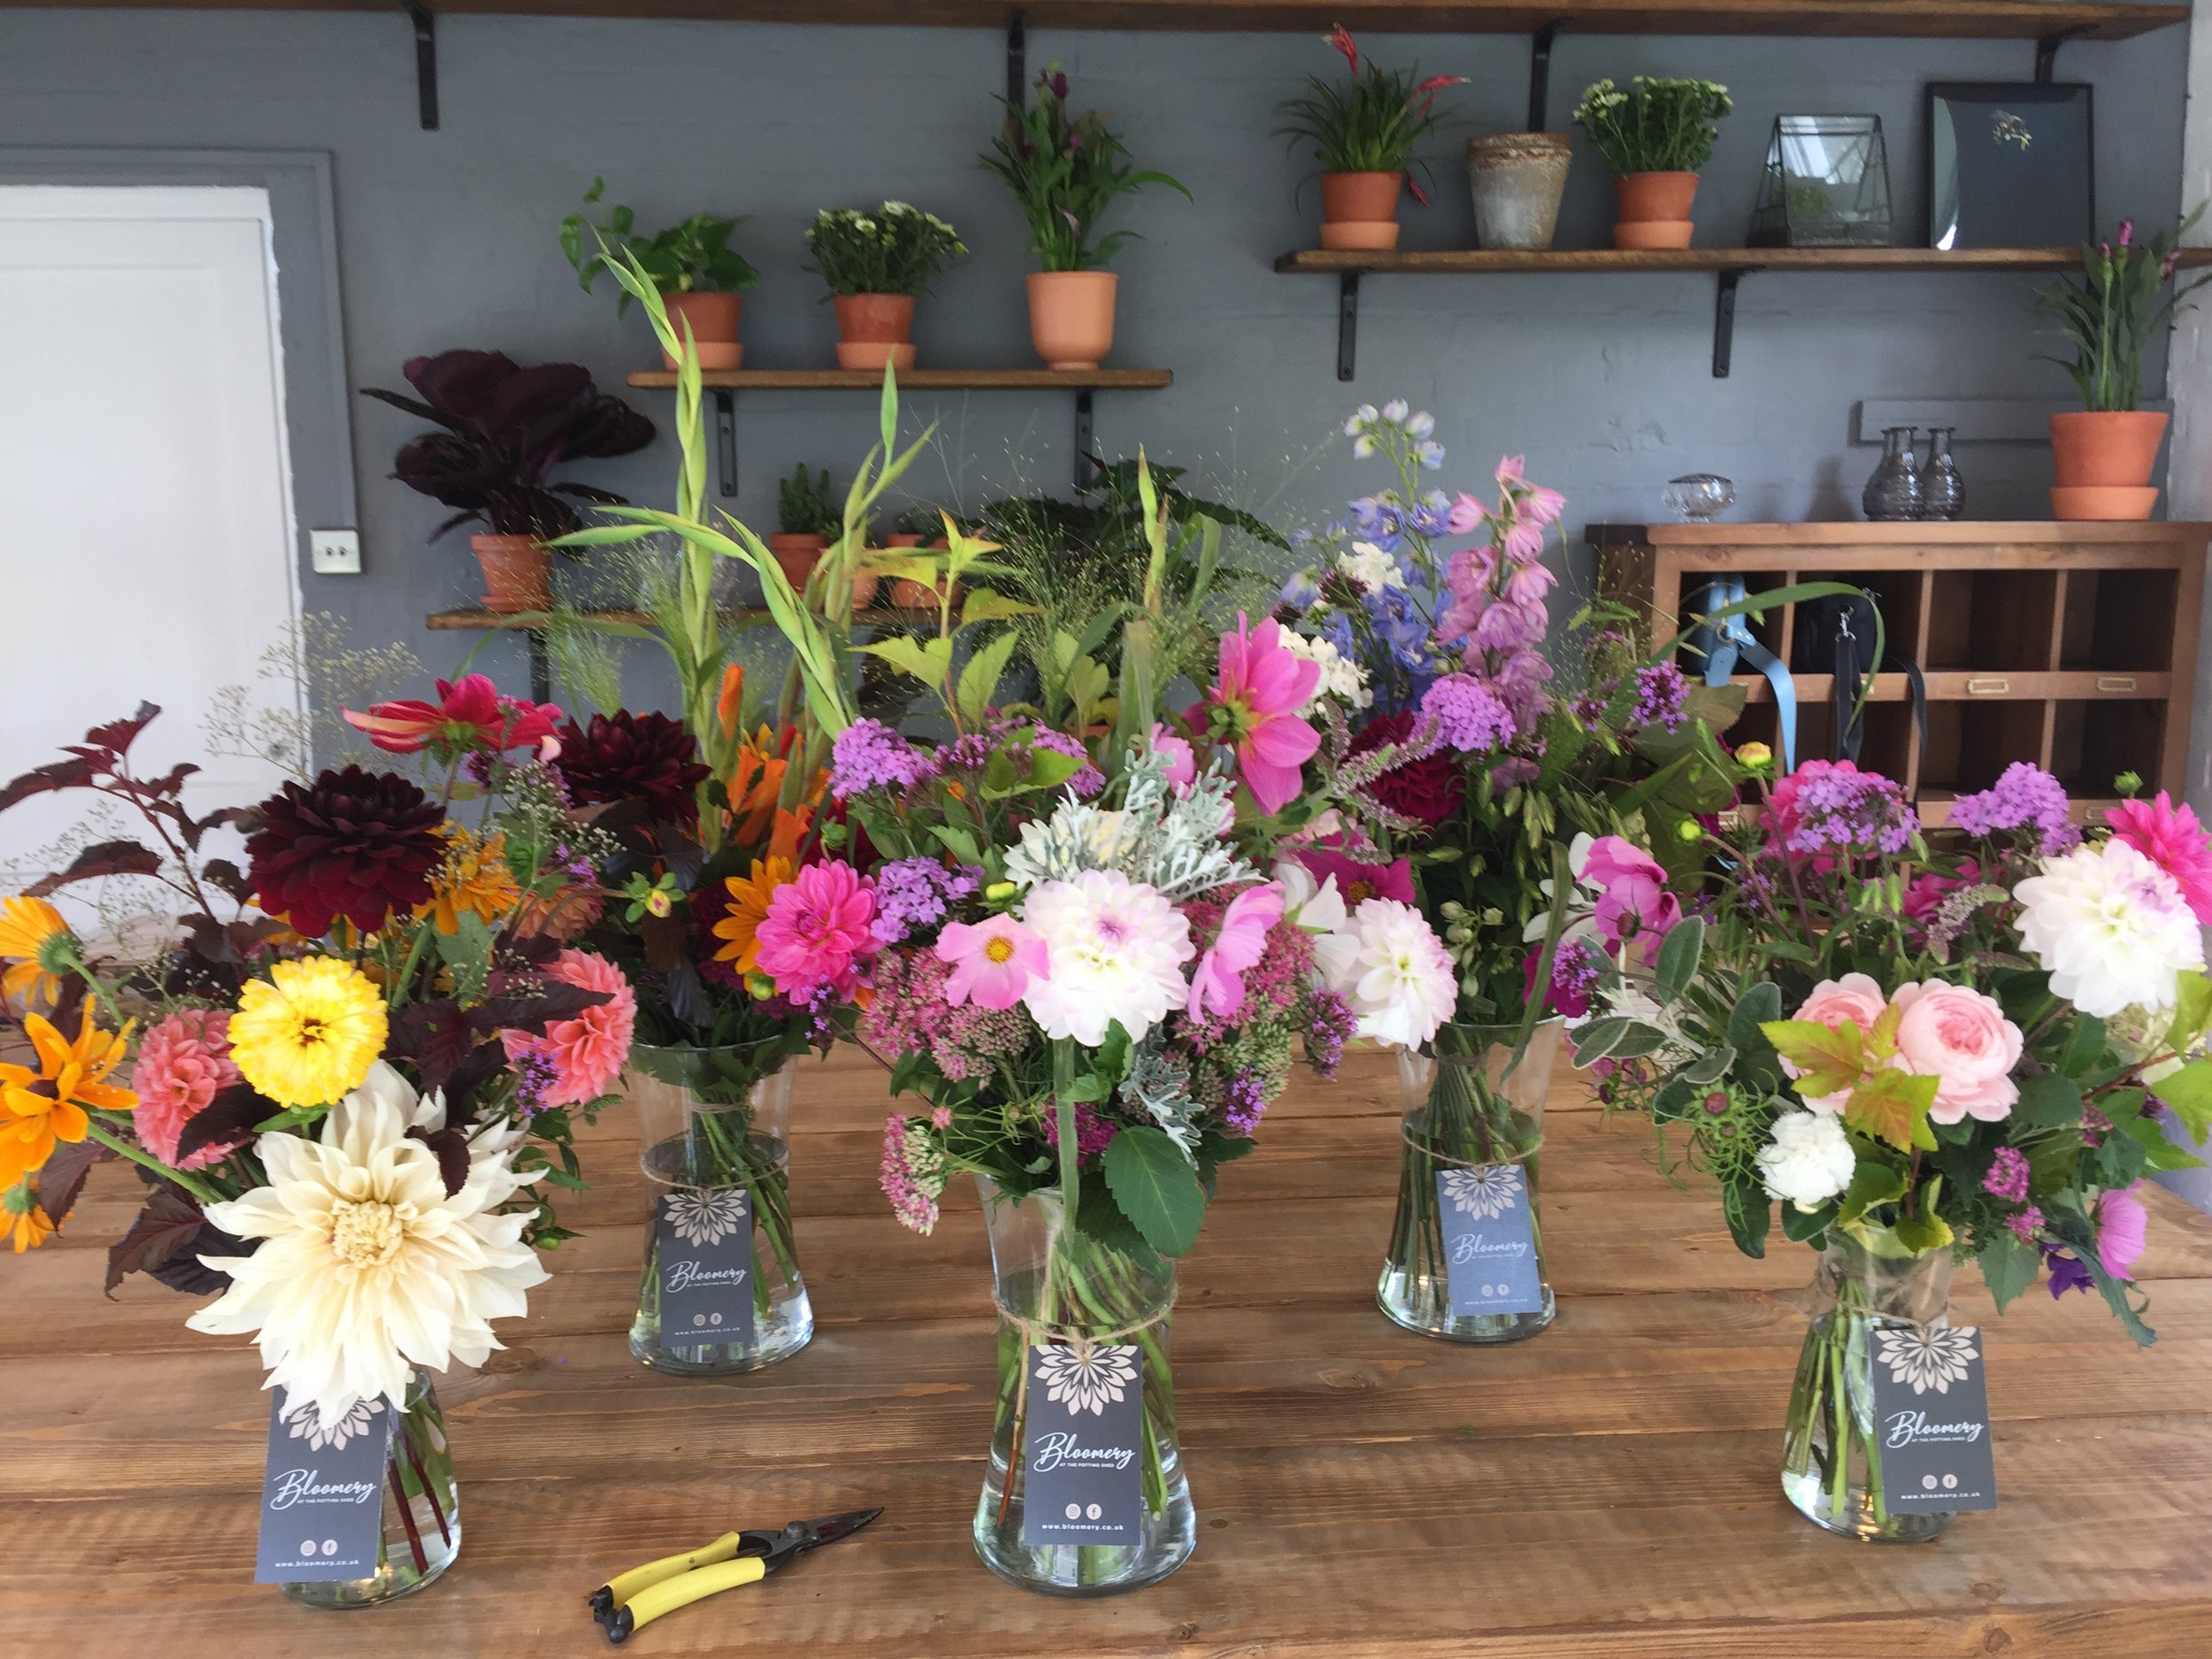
{"x":146,"y":534}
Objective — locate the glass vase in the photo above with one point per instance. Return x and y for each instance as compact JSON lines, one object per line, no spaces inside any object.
{"x":1943,"y":491}
{"x":1059,"y":1287}
{"x":1476,"y":1119}
{"x":1832,"y":1459}
{"x":422,"y":1513}
{"x":712,"y":1129}
{"x":1893,"y":492}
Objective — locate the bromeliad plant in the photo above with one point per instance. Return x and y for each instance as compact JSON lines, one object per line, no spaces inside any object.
{"x":1064,"y":171}
{"x":1374,"y":122}
{"x":1927,"y":1050}
{"x":895,"y":249}
{"x":2124,"y":298}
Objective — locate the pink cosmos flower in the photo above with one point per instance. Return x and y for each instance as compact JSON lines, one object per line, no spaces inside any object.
{"x":1262,"y":685}
{"x":2171,"y":838}
{"x":1216,"y":985}
{"x":468,"y":715}
{"x":1856,"y":997}
{"x":1961,"y":1038}
{"x":817,"y":931}
{"x":1634,"y":902}
{"x":183,"y":1063}
{"x":993,"y":962}
{"x":1358,"y":879}
{"x":2122,"y":1224}
{"x":587,"y":1053}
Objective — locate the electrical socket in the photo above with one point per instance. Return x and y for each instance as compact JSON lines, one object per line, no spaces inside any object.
{"x":335,"y":552}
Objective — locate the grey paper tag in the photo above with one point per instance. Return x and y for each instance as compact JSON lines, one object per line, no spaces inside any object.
{"x":322,"y":1492}
{"x":1489,"y":1247}
{"x":705,"y":1238}
{"x":1084,"y":1447}
{"x":1931,"y":1418}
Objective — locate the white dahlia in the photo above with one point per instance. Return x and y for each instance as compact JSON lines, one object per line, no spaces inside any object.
{"x":1114,"y":949}
{"x":367,"y":1268}
{"x":1389,"y":964}
{"x":1808,"y":1160}
{"x":2111,"y":927}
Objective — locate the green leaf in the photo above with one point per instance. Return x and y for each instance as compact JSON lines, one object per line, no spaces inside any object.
{"x":1926,"y":1231}
{"x":2084,"y":1046}
{"x":468,"y":954}
{"x":1873,"y":1182}
{"x":2008,"y":1266}
{"x":1828,"y":1061}
{"x":1048,"y":768}
{"x":1113,"y":1054}
{"x":929,"y":662}
{"x":978,"y":681}
{"x":2193,"y":1011}
{"x":2048,"y":1101}
{"x":1098,"y":1215}
{"x":1760,"y":1003}
{"x":1709,"y":1067}
{"x":1893,"y":1106}
{"x":1679,"y":956}
{"x":1806,"y":1227}
{"x":983,"y":606}
{"x":2189,"y":1093}
{"x":1750,"y":1214}
{"x":1156,"y":1188}
{"x":2159,"y":1152}
{"x":957,"y":842}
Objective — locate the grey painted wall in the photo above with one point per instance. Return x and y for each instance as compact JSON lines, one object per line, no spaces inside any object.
{"x":446,"y":239}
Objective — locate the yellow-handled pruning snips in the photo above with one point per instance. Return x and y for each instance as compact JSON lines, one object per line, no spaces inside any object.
{"x":636,"y":1598}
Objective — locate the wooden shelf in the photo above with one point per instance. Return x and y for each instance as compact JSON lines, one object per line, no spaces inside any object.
{"x":1511,"y":261}
{"x":918,"y":379}
{"x":1927,"y":20}
{"x":484,"y":621}
{"x":2010,"y":686}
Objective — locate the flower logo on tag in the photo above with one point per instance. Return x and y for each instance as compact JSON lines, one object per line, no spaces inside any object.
{"x":1926,"y":1358}
{"x":1088,"y":1379}
{"x":304,"y":1421}
{"x":1483,"y":1194}
{"x":702,"y":1218}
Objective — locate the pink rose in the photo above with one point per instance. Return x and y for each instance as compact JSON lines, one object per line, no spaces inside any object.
{"x":1856,"y":998}
{"x":1961,"y":1038}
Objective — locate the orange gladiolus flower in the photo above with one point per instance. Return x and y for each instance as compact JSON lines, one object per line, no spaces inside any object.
{"x":749,"y":907}
{"x":39,"y":1109}
{"x":28,"y":929}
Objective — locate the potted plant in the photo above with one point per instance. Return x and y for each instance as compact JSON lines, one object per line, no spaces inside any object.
{"x":1364,"y":134}
{"x":503,"y":429}
{"x":692,"y":264}
{"x":2104,"y":452}
{"x":807,"y":518}
{"x":1065,"y":171}
{"x":875,"y":264}
{"x":1656,"y":136}
{"x":918,"y":528}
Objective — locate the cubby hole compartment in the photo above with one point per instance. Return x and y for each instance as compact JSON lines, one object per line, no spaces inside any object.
{"x":1886,"y":744}
{"x":1769,"y":628}
{"x":1970,"y":743}
{"x":1896,"y":595}
{"x":1991,"y":619}
{"x":2119,"y":619}
{"x":1756,"y":724}
{"x":2093,"y":742}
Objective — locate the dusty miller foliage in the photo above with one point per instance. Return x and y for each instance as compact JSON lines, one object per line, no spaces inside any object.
{"x":1168,"y":841}
{"x":1160,"y":1087}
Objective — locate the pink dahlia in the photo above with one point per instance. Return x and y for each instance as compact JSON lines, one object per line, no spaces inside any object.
{"x":992,"y":962}
{"x":1262,"y":685}
{"x":1358,"y":879}
{"x":585,"y":1054}
{"x":2170,"y":837}
{"x":183,"y":1063}
{"x":1216,"y":985}
{"x":818,"y":930}
{"x":470,"y":714}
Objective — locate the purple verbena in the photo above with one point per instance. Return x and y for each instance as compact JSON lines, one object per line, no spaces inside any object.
{"x":2024,"y":797}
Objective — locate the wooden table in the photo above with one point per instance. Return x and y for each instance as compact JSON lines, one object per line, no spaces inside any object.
{"x":1609,"y":1486}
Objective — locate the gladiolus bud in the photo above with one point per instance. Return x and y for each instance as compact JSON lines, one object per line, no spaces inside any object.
{"x":2127,"y":232}
{"x":733,"y":694}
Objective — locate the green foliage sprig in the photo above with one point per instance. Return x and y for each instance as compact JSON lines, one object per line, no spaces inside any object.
{"x":1065,"y":171}
{"x":2111,"y":314}
{"x":691,"y":257}
{"x":897,"y":248}
{"x":1659,"y":124}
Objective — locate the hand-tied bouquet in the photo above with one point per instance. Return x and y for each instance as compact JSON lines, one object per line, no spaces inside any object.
{"x":347,"y":1071}
{"x":1480,"y":789}
{"x":1929,"y":1048}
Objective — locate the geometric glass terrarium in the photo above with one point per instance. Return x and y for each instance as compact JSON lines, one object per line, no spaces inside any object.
{"x":1826,"y":184}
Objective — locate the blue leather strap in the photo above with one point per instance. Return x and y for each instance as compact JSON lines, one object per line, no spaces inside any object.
{"x":1726,"y":641}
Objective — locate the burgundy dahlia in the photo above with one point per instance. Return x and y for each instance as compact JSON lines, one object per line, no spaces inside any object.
{"x":358,"y":844}
{"x":624,"y":756}
{"x":1429,"y":790}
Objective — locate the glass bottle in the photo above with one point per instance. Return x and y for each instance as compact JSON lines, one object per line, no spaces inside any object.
{"x":1893,"y":491}
{"x":422,"y":1513}
{"x":1943,"y":491}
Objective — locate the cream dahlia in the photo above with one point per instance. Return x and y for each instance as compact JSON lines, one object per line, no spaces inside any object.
{"x":1389,"y":964}
{"x":2112,"y":928}
{"x":1114,"y":949}
{"x":367,"y":1267}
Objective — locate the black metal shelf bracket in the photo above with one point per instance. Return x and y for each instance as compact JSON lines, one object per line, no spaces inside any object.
{"x":425,"y":61}
{"x":2047,"y":52}
{"x":726,"y":436}
{"x":1540,"y":73}
{"x":1017,"y":58}
{"x":1724,"y":321}
{"x":1086,"y":444}
{"x":1347,"y":323}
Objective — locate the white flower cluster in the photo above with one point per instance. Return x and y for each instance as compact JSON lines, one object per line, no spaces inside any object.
{"x":1341,"y":678}
{"x":1381,"y":957}
{"x":1370,"y":566}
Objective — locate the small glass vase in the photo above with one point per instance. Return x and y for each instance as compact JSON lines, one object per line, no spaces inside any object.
{"x":1465,"y":1112}
{"x":713,"y":1126}
{"x":422,"y":1513}
{"x":1893,"y":492}
{"x":1943,"y":491}
{"x":1832,"y":1461}
{"x":1058,"y":1287}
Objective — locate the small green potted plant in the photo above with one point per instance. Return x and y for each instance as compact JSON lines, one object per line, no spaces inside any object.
{"x":1654,"y":136}
{"x":876,"y":262}
{"x":699,"y":275}
{"x":808,"y":519}
{"x":2104,"y":452}
{"x":1364,"y":134}
{"x":1065,"y":171}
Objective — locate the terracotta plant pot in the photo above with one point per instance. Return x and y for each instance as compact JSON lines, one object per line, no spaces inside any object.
{"x":713,"y":318}
{"x":1072,"y":316}
{"x":1360,"y":210}
{"x":873,"y":330}
{"x":906,"y":593}
{"x":1517,"y":180}
{"x":2078,"y":503}
{"x":518,"y":573}
{"x":2109,"y":446}
{"x":796,"y":556}
{"x":1655,"y":209}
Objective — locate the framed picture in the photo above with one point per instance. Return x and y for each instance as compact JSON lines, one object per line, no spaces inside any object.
{"x":2010,"y":164}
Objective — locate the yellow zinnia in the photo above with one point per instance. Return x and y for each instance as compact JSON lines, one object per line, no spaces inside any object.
{"x":748,"y":908}
{"x":41,"y":1106}
{"x":30,"y":929}
{"x":308,"y":1033}
{"x":474,"y":877}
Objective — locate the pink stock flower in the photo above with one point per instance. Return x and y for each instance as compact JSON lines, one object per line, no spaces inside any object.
{"x":1962,"y":1039}
{"x":468,"y":715}
{"x":1262,"y":685}
{"x":2171,"y":838}
{"x":1216,"y":985}
{"x":2121,"y":1226}
{"x":1358,"y":879}
{"x":1535,"y":503}
{"x":183,"y":1063}
{"x":1856,"y":997}
{"x":1466,"y":513}
{"x":816,"y":930}
{"x":587,"y":1053}
{"x":992,"y":961}
{"x":1634,"y":902}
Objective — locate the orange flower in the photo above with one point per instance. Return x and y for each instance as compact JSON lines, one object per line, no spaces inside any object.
{"x":29,"y":929}
{"x":755,"y":782}
{"x":40,"y":1107}
{"x":749,"y":907}
{"x":29,"y":1225}
{"x":474,"y":878}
